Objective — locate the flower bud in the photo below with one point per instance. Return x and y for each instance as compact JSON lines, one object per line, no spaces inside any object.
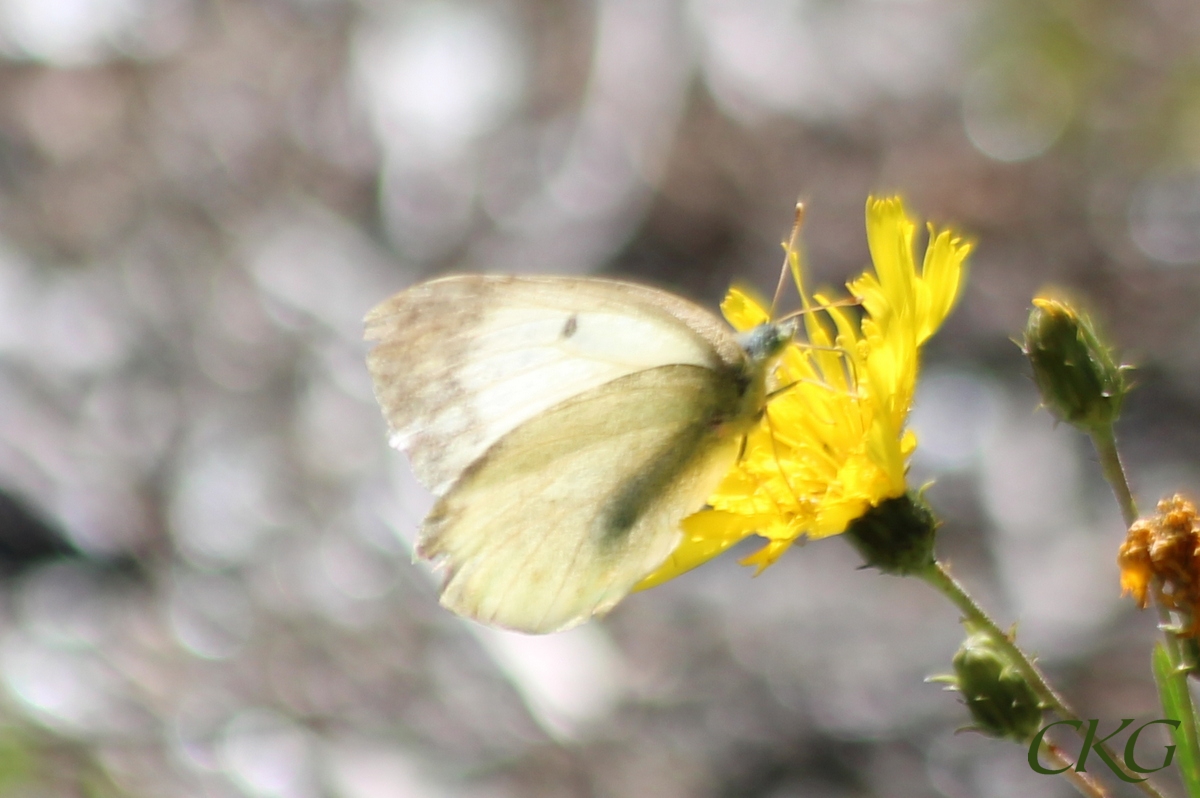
{"x":896,"y":536}
{"x":1000,"y":699}
{"x":1079,"y":380}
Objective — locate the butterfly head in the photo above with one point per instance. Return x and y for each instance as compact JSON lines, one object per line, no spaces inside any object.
{"x":763,"y":345}
{"x":767,"y":341}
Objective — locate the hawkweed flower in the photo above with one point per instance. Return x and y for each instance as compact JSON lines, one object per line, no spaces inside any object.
{"x":832,"y":446}
{"x":1161,"y":554}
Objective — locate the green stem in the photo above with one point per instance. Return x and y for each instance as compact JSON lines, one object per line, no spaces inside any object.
{"x":1080,"y":781}
{"x":1178,"y":705}
{"x":1181,"y":662}
{"x":940,"y":579}
{"x":948,"y":586}
{"x":1110,"y":461}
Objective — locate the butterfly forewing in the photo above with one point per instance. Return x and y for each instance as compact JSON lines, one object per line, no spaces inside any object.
{"x":463,"y":360}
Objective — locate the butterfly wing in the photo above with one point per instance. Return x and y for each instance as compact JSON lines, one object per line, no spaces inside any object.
{"x":560,"y":518}
{"x":462,"y":361}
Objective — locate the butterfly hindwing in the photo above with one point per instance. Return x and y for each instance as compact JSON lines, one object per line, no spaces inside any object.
{"x":563,"y":515}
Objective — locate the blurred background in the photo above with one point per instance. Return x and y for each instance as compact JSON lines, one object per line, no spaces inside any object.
{"x":205,"y":577}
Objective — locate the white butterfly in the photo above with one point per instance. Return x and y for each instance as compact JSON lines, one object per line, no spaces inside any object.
{"x":566,"y":426}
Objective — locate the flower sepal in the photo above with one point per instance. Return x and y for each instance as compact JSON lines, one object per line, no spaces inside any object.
{"x":896,"y":536}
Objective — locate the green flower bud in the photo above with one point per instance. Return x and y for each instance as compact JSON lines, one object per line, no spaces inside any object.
{"x":1001,"y":701}
{"x":1079,"y":380}
{"x":896,"y":536}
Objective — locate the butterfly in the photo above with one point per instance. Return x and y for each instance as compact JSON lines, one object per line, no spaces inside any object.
{"x":566,"y":426}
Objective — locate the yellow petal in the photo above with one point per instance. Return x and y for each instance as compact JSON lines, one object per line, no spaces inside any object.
{"x":705,"y":535}
{"x":767,"y":555}
{"x":742,"y":310}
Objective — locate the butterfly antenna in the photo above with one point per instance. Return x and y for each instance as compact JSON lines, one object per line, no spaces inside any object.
{"x":791,"y":246}
{"x":853,"y":302}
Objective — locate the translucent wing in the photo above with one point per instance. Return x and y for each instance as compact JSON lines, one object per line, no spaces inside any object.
{"x":464,"y":360}
{"x":563,"y":515}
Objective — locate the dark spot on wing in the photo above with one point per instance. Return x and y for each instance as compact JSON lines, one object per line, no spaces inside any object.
{"x":644,"y":487}
{"x":570,"y":327}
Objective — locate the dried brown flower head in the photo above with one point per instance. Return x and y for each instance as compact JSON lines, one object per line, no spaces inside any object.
{"x":1163,"y":552}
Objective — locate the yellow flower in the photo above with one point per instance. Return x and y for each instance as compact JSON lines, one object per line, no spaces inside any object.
{"x":832,"y":443}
